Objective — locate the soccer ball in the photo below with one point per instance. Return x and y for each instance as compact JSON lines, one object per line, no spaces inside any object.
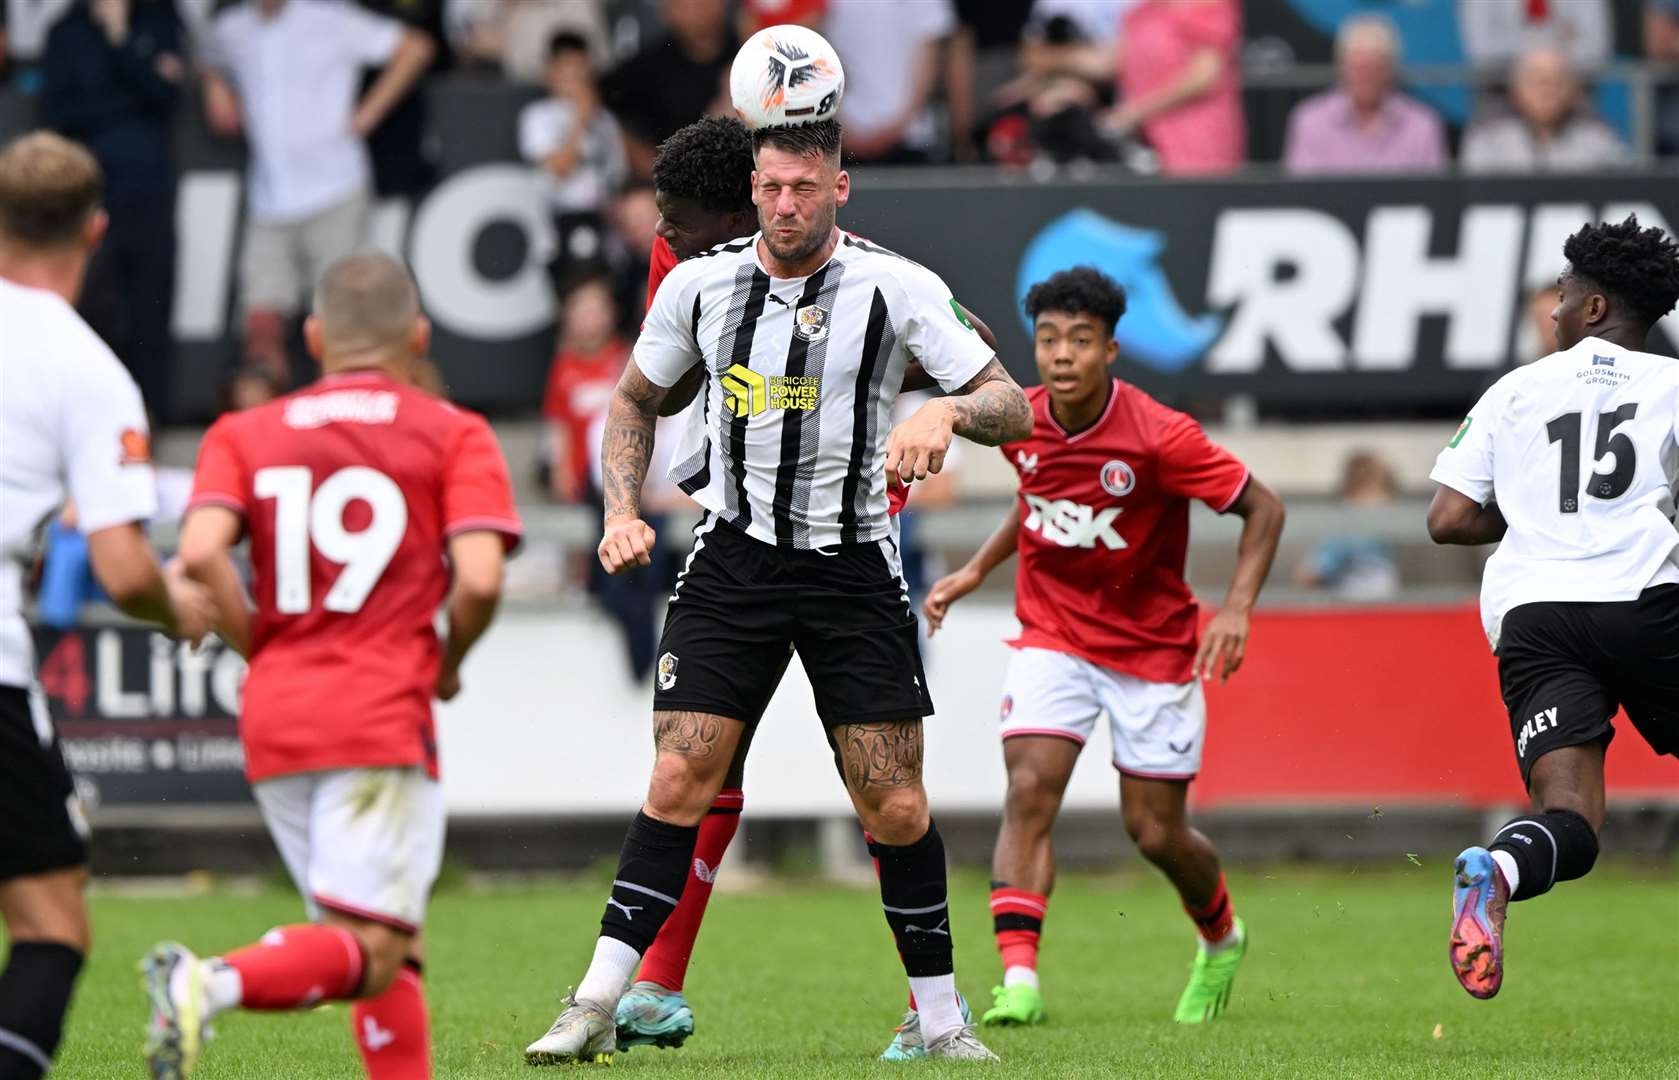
{"x":786,"y":75}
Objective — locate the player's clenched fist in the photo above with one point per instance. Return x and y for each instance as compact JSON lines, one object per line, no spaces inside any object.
{"x":628,"y":542}
{"x":917,"y":446}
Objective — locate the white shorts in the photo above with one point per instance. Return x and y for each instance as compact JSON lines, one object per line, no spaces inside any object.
{"x":365,"y":842}
{"x":1157,"y":728}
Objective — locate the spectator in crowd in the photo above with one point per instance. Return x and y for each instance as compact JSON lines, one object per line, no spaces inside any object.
{"x":1661,"y":45}
{"x":1549,"y":129}
{"x":113,"y":71}
{"x":404,"y":166}
{"x":1051,"y":108}
{"x":981,"y":61}
{"x":1496,"y":33}
{"x":286,"y":72}
{"x":635,"y":221}
{"x":510,"y":37}
{"x":892,"y":51}
{"x":577,"y":149}
{"x":1364,"y":124}
{"x":757,"y":14}
{"x":1356,"y":567}
{"x":588,"y":360}
{"x":674,"y":81}
{"x":1180,"y":84}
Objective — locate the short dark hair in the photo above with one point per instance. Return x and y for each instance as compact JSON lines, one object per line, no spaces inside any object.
{"x":48,"y":188}
{"x":710,"y":162}
{"x":1082,"y":290}
{"x":1636,"y":267}
{"x":567,"y":41}
{"x":806,"y":140}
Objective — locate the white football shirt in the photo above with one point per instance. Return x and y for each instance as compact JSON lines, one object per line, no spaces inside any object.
{"x":71,"y":425}
{"x":1581,"y":452}
{"x":788,"y":442}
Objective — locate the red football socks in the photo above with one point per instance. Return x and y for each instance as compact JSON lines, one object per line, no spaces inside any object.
{"x":666,"y":962}
{"x":1216,"y":917}
{"x":393,"y":1031}
{"x":1017,"y":918}
{"x":295,"y":967}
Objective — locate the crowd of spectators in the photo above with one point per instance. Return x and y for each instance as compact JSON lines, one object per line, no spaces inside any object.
{"x":327,"y":95}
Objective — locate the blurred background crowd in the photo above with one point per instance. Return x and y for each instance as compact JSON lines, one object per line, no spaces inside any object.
{"x":333,"y":102}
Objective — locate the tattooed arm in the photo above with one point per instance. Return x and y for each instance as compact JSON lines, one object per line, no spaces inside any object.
{"x":626,"y":449}
{"x":991,"y":409}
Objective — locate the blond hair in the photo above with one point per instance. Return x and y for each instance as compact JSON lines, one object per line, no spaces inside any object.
{"x":49,"y":187}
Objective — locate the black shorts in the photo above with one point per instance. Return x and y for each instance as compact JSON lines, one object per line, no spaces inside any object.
{"x":41,"y":824}
{"x":742,"y":608}
{"x":1564,"y":668}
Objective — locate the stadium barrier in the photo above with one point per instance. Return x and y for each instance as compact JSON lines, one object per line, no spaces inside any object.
{"x":1334,"y":708}
{"x":1358,"y":294}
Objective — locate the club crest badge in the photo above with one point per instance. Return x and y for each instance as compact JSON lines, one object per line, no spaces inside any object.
{"x":811,"y":323}
{"x":667,"y":671}
{"x":1117,"y":478}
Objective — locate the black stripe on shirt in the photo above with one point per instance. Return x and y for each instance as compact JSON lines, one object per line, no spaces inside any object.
{"x":862,"y":414}
{"x":698,"y":467}
{"x":792,"y":420}
{"x":741,"y":354}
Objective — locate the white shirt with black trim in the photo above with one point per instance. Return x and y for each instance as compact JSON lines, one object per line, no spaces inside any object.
{"x":1581,"y":452}
{"x":788,"y":441}
{"x":71,"y":426}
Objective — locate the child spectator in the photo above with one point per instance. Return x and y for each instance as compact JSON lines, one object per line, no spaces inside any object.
{"x":587,"y":363}
{"x":578,"y":151}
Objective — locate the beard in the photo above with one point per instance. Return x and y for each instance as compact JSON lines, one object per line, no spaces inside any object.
{"x":805,"y":245}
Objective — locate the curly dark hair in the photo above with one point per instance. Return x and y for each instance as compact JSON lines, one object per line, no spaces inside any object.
{"x":1082,"y":290}
{"x":806,"y":140}
{"x":710,"y":162}
{"x":1635,"y":267}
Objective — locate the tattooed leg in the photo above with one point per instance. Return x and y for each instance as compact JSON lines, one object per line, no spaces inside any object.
{"x":694,"y":750}
{"x":881,"y":763}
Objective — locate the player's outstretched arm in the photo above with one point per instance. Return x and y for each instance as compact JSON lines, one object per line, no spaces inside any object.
{"x":1225,"y":642}
{"x":626,"y":449}
{"x":476,"y":560}
{"x":207,"y":539}
{"x":127,"y":569}
{"x":998,"y":548}
{"x":991,"y":409}
{"x":1455,"y":518}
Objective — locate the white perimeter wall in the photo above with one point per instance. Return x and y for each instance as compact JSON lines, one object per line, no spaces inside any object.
{"x":549,"y":722}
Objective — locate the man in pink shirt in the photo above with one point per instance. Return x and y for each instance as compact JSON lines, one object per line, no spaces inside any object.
{"x":1364,"y":125}
{"x":1180,"y":83}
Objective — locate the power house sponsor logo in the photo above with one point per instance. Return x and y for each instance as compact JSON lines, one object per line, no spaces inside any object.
{"x":748,"y":393}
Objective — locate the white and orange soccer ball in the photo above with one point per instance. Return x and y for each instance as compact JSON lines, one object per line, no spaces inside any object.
{"x":786,"y":75}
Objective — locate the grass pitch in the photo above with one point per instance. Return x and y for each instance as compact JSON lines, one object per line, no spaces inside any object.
{"x":1346,"y":977}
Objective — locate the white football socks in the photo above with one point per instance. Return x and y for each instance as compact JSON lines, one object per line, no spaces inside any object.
{"x":224,"y":988}
{"x":1016,"y":975}
{"x":1507,"y":865}
{"x":935,"y":1003}
{"x":609,"y":973}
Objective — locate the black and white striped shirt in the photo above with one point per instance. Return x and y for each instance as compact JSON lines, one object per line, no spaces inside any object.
{"x":788,"y":439}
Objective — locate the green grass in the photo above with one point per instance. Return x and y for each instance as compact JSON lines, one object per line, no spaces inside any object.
{"x":1346,"y":977}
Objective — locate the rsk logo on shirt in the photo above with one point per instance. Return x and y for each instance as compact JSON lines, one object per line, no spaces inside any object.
{"x":136,"y":448}
{"x":1072,"y":524}
{"x":747,"y":393}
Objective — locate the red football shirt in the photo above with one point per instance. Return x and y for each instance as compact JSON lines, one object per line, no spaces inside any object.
{"x":579,"y":389}
{"x":664,"y":260}
{"x":1104,"y":528}
{"x":350,"y":490}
